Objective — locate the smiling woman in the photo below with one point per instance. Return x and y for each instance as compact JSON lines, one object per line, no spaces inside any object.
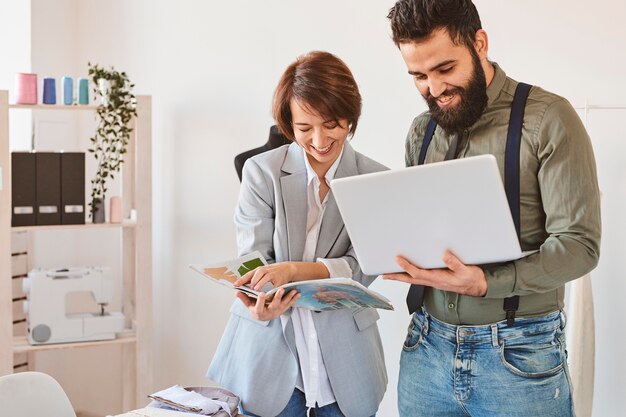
{"x":330,"y":361}
{"x":321,"y":139}
{"x":317,"y":103}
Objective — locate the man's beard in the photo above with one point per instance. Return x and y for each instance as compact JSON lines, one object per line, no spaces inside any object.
{"x":473,"y":100}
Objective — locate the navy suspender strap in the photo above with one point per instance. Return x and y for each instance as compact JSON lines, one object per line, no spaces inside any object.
{"x":428,"y":136}
{"x":512,"y":177}
{"x":415,"y":296}
{"x":511,"y":154}
{"x":511,"y":186}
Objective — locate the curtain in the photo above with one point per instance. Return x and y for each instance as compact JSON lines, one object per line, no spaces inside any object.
{"x":580,"y":339}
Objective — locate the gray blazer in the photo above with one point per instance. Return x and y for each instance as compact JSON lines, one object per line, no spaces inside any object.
{"x":257,"y":360}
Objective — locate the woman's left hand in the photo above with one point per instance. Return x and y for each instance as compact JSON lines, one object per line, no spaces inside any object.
{"x":262,"y":311}
{"x":278,"y":274}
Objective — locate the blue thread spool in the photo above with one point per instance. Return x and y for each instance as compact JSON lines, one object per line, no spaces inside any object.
{"x":83,"y":91}
{"x":49,"y":91}
{"x":68,"y":91}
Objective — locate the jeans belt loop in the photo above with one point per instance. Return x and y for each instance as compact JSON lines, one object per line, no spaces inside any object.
{"x":494,"y":336}
{"x":426,"y":326}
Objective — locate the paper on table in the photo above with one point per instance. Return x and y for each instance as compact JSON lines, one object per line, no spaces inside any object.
{"x":179,"y":398}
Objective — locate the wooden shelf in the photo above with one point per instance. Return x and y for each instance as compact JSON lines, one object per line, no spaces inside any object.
{"x":54,"y":106}
{"x":21,"y":345}
{"x":86,"y":226}
{"x":135,"y":256}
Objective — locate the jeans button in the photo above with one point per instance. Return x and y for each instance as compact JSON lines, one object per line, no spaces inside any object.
{"x":451,"y":306}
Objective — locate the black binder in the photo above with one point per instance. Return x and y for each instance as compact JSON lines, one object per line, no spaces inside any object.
{"x":73,"y":188}
{"x":48,"y":188}
{"x":23,"y":189}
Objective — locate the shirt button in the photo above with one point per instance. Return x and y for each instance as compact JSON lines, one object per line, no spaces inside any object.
{"x":451,"y":305}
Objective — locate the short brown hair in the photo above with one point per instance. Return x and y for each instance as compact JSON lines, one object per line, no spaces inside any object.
{"x":322,"y":82}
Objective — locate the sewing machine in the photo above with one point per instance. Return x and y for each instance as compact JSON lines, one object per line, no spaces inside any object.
{"x":45,"y":308}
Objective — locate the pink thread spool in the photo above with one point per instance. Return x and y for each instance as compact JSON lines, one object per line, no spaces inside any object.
{"x":115,"y":211}
{"x":25,"y":88}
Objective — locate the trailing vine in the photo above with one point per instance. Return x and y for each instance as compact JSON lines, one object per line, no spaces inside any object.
{"x":108,"y":145}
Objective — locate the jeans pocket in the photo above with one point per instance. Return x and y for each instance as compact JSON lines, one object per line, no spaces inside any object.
{"x":537,"y":356}
{"x":414,"y":336}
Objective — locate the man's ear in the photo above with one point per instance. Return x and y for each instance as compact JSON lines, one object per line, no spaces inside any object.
{"x":481,"y":43}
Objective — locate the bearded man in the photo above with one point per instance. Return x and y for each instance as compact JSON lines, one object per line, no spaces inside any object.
{"x":487,"y":340}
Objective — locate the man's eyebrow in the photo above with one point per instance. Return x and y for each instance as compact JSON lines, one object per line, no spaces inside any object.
{"x":436,"y":67}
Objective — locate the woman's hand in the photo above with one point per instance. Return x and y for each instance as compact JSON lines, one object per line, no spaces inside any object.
{"x":279,"y":304}
{"x":278,"y":274}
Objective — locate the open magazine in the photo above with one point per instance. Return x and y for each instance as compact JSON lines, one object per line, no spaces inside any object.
{"x":320,"y":294}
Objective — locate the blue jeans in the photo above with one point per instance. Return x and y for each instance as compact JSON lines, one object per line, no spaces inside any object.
{"x":296,"y":407}
{"x":489,"y":370}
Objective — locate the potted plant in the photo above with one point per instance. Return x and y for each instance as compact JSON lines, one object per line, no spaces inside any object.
{"x":108,"y":145}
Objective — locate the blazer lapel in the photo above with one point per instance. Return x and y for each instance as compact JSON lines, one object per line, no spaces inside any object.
{"x":332,"y":223}
{"x":293,"y":186}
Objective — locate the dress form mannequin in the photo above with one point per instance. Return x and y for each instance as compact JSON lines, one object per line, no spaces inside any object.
{"x":275,"y":140}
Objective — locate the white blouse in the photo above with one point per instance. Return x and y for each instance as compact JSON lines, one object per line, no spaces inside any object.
{"x":317,"y":389}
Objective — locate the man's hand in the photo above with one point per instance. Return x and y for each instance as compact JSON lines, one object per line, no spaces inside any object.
{"x":457,"y":277}
{"x":278,"y":274}
{"x":261,"y":311}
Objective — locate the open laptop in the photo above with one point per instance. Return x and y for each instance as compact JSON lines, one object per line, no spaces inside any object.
{"x":422,"y":211}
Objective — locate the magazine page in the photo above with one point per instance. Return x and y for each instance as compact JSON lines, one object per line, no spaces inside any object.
{"x":227,"y":272}
{"x":318,"y":295}
{"x":336,"y":294}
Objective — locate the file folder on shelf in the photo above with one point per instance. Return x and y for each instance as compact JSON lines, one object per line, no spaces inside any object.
{"x":48,"y":188}
{"x":73,"y":188}
{"x":23,"y":189}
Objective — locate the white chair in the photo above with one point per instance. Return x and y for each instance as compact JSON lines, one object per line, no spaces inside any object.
{"x":33,"y":394}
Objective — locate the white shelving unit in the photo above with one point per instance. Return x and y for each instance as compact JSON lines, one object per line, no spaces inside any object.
{"x":136,"y":254}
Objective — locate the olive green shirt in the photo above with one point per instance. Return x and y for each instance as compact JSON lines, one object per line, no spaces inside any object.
{"x":559,"y":203}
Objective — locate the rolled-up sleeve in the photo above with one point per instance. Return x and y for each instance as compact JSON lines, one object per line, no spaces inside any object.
{"x":337,"y":267}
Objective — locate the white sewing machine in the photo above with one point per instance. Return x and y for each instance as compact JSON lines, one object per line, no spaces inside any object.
{"x":45,"y":308}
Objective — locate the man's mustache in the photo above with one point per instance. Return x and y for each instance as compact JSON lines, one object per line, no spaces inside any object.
{"x":448,"y":92}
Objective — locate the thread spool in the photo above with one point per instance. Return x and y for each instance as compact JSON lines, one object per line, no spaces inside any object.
{"x":68,"y":91}
{"x":49,"y":91}
{"x":83,"y":91}
{"x":25,"y":88}
{"x":115,"y":210}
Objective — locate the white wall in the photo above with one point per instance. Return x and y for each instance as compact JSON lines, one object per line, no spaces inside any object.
{"x":15,"y":44}
{"x":211,"y":68}
{"x":14,"y":41}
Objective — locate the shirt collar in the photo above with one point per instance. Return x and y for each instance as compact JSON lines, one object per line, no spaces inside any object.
{"x":496,"y":85}
{"x":330,"y":174}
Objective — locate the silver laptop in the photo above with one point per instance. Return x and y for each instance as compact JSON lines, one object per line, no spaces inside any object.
{"x":422,"y":211}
